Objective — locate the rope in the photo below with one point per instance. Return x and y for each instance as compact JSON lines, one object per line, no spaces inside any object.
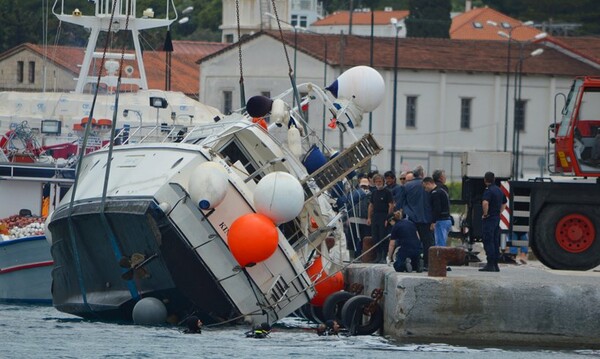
{"x":239,"y":32}
{"x":72,"y":231}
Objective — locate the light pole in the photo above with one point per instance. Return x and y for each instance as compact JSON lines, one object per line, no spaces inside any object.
{"x":398,"y":27}
{"x":510,"y":38}
{"x":519,"y":115}
{"x":168,"y":47}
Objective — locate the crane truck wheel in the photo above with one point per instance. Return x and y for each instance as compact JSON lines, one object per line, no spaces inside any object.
{"x":568,"y":237}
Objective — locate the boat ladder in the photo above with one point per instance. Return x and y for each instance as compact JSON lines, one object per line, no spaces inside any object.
{"x":340,"y":166}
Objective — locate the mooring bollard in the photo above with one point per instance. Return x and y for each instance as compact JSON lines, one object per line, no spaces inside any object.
{"x":367,"y":244}
{"x":440,"y":257}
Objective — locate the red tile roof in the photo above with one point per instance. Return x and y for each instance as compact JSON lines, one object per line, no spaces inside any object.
{"x":587,"y":46}
{"x":463,"y":26}
{"x":361,"y":18}
{"x":184,"y":71}
{"x":485,"y":56}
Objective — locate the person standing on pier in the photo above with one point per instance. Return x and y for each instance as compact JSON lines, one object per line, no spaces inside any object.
{"x":381,"y":205}
{"x":417,"y":207}
{"x":493,"y":203}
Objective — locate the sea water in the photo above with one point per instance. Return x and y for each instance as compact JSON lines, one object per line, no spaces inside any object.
{"x":43,"y":332}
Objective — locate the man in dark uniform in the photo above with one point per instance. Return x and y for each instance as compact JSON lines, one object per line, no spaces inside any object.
{"x":405,"y":238}
{"x":382,"y":204}
{"x":416,"y":205}
{"x":493,"y":203}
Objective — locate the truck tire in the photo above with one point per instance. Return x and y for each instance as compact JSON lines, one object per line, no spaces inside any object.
{"x":356,"y":320}
{"x":568,"y":236}
{"x":332,"y":308}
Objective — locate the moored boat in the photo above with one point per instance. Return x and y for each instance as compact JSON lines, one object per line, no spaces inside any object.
{"x":221,"y":220}
{"x":28,"y":191}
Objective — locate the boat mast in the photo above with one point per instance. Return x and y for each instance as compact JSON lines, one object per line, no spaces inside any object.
{"x":100,"y":22}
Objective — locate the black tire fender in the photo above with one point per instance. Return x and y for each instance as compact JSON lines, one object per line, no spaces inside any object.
{"x":332,"y":308}
{"x":356,"y":320}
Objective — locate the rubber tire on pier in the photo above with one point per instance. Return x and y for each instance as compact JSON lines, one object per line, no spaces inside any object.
{"x":332,"y":308}
{"x":568,"y":236}
{"x":356,"y":320}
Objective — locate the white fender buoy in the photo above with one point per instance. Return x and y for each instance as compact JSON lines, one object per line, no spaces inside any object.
{"x":294,"y":141}
{"x":149,"y":311}
{"x":279,"y":196}
{"x":208,"y":185}
{"x":279,"y":112}
{"x":361,"y":84}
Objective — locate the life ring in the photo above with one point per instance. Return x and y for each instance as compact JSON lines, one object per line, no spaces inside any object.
{"x":360,"y":321}
{"x":332,"y":308}
{"x":5,"y":138}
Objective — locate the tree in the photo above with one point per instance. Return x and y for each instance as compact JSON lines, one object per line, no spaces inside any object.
{"x":429,"y":18}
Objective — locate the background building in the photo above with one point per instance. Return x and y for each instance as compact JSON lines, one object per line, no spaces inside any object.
{"x":451,"y":94}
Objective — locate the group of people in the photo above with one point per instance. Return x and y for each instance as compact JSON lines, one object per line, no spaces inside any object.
{"x":402,"y":217}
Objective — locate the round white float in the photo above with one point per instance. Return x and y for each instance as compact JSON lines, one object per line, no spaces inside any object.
{"x":149,"y":311}
{"x":208,"y":185}
{"x":361,"y":84}
{"x":279,"y":196}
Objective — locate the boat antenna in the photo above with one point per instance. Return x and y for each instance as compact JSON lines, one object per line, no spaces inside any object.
{"x":291,"y":72}
{"x":239,"y":33}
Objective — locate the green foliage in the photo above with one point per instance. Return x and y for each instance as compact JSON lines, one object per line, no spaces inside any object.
{"x":23,"y":20}
{"x":429,"y":18}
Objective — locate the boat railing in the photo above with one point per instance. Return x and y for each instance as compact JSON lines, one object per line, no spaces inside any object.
{"x":36,"y":172}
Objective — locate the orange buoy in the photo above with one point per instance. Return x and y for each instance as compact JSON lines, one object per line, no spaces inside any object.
{"x":261,"y":122}
{"x":104,"y":122}
{"x":252,"y":238}
{"x":85,"y":120}
{"x":324,"y":285}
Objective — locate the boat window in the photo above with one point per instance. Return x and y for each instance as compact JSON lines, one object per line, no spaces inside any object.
{"x":233,"y":152}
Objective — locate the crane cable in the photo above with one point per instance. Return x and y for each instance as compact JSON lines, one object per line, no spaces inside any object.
{"x":239,"y":33}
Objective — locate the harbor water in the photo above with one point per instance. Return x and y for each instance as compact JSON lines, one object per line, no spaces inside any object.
{"x":43,"y":332}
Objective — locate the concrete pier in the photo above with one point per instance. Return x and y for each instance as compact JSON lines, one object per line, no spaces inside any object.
{"x":525,"y":305}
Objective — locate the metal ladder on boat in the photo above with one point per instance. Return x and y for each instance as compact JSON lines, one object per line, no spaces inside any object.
{"x":337,"y":168}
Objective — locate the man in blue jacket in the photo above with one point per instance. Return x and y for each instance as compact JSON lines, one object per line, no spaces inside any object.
{"x":493,"y":203}
{"x":416,"y":206}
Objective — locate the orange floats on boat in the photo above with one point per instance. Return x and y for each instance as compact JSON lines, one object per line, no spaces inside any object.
{"x":104,"y":122}
{"x":252,"y":238}
{"x":324,"y":285}
{"x":261,"y":122}
{"x":85,"y":120}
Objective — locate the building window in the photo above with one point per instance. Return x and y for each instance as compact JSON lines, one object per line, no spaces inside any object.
{"x":229,"y":38}
{"x":303,"y":21}
{"x":477,"y":25}
{"x":294,"y":21}
{"x":31,"y":72}
{"x":465,"y":113}
{"x":520,"y":107}
{"x":227,"y":102}
{"x":20,"y":66}
{"x":266,"y":94}
{"x":411,"y":111}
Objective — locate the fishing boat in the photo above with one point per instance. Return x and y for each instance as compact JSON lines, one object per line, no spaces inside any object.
{"x":225,"y":220}
{"x":30,"y":187}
